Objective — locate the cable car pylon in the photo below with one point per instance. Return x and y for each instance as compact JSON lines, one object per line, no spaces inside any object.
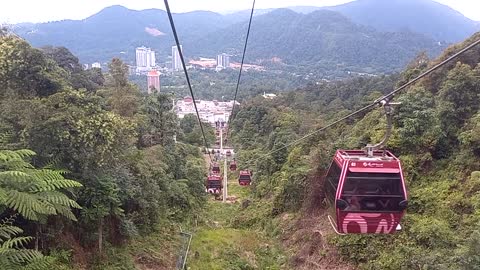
{"x":225,"y":179}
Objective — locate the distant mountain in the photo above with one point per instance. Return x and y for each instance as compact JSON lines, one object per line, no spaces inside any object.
{"x":422,"y":16}
{"x":323,"y":38}
{"x":116,"y":31}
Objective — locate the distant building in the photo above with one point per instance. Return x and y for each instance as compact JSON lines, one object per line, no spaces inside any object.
{"x":85,"y":66}
{"x":269,"y":96}
{"x":176,"y":61}
{"x":96,"y":65}
{"x":223,"y":61}
{"x":153,"y":81}
{"x":145,"y":59}
{"x":209,"y":111}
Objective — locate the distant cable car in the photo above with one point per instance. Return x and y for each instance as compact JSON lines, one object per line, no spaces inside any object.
{"x":366,"y":189}
{"x":233,"y":165}
{"x":214,"y":184}
{"x":245,"y":178}
{"x":228,"y":153}
{"x":216,"y":168}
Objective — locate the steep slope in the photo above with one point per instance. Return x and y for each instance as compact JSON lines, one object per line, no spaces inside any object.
{"x":322,"y":38}
{"x":435,"y":135}
{"x":422,"y":16}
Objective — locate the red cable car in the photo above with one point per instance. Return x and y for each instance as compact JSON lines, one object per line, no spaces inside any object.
{"x":214,"y":184}
{"x":233,"y":166}
{"x":245,"y":178}
{"x":367,"y":191}
{"x":228,"y":153}
{"x":215,"y":168}
{"x":366,"y":188}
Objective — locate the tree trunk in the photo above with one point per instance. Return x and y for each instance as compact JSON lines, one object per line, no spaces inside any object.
{"x":37,"y":236}
{"x":100,"y":236}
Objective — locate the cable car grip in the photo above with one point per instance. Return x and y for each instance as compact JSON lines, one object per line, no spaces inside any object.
{"x":387,"y":106}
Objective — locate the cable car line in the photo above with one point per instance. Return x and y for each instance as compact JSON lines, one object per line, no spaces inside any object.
{"x":376,"y":102}
{"x":180,"y":52}
{"x":243,"y":59}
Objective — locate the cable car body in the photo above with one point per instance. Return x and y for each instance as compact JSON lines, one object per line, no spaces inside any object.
{"x":367,"y":194}
{"x":214,"y":184}
{"x":216,"y":168}
{"x":233,"y":166}
{"x":228,"y":153}
{"x":245,"y":178}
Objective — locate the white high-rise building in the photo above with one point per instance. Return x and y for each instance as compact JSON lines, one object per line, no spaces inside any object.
{"x":96,"y":65}
{"x":223,"y":61}
{"x":176,"y":61}
{"x":145,"y":59}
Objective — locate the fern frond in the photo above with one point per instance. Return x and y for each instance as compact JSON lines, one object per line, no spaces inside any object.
{"x":17,"y":242}
{"x":15,"y":177}
{"x":58,"y":198}
{"x":49,"y":180}
{"x":66,"y":212}
{"x":19,"y":256}
{"x":6,"y":155}
{"x":40,"y":263}
{"x":7,"y":231}
{"x":28,"y":205}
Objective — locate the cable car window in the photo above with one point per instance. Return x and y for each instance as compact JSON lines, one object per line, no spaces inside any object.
{"x":331,"y":181}
{"x":214,"y":183}
{"x":373,"y":192}
{"x":245,"y":177}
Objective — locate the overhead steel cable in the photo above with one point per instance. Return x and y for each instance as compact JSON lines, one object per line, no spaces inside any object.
{"x":243,"y":60}
{"x":376,"y":102}
{"x":180,"y":52}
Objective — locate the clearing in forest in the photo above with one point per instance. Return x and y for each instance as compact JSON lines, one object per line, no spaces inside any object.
{"x":216,"y":244}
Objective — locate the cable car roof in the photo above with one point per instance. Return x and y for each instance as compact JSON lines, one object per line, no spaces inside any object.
{"x":358,"y":158}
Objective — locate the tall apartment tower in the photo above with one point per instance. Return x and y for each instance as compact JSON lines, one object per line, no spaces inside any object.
{"x":176,"y":61}
{"x":223,"y":60}
{"x":153,"y":81}
{"x":145,"y":59}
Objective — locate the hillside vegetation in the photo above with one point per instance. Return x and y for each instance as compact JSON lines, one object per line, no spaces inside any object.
{"x":435,"y":135}
{"x":89,"y":171}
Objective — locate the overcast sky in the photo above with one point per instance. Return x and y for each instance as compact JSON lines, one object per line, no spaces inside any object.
{"x":14,"y":11}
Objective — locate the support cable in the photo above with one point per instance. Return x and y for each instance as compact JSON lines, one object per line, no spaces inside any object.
{"x":172,"y":24}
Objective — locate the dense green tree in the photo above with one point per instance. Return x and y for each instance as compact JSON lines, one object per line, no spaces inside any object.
{"x":78,"y":77}
{"x":27,"y":71}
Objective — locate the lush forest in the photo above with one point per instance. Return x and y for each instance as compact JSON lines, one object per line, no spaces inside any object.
{"x":90,"y":174}
{"x":94,"y":174}
{"x":435,"y":135}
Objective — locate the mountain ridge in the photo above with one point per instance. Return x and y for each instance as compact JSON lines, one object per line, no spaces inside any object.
{"x":329,"y":39}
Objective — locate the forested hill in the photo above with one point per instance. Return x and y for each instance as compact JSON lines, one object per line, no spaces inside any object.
{"x":325,"y":38}
{"x":435,"y":134}
{"x":117,"y":31}
{"x":427,"y":17}
{"x":422,"y":16}
{"x":321,"y":39}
